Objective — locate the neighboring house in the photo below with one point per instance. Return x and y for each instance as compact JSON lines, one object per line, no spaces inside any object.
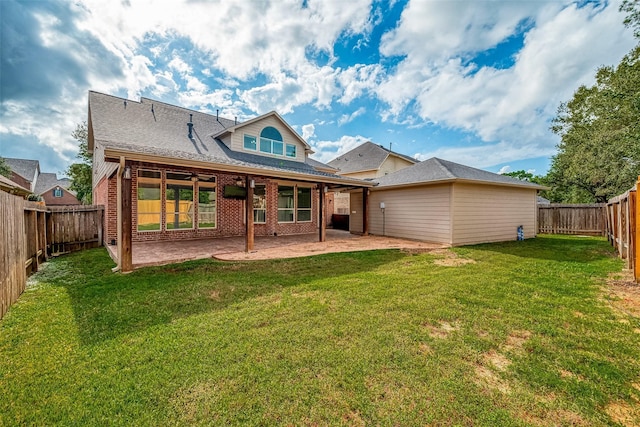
{"x":190,"y":172}
{"x":54,"y":191}
{"x":366,"y":161}
{"x":12,"y":187}
{"x":445,"y":202}
{"x":543,"y":201}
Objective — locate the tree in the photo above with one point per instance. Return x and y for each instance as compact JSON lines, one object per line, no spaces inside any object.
{"x":81,"y":173}
{"x":599,"y":153}
{"x":522,"y":175}
{"x":5,"y":170}
{"x":632,"y":8}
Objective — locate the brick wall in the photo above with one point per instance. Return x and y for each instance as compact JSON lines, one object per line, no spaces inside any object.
{"x":230,"y":212}
{"x":66,"y":199}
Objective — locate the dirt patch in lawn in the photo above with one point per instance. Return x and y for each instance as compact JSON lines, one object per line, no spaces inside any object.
{"x":623,"y":413}
{"x":624,"y":293}
{"x":450,"y":258}
{"x":442,"y":330}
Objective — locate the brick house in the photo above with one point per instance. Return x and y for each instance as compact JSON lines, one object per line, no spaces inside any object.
{"x":54,"y":191}
{"x":165,"y":173}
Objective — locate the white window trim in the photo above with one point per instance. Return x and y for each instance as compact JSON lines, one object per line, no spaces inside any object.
{"x":261,"y":209}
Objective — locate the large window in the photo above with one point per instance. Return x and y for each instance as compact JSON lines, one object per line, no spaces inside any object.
{"x":179,"y":201}
{"x":271,"y":141}
{"x":286,"y":203}
{"x":294,"y":204}
{"x":250,"y":142}
{"x":303,"y":205}
{"x":149,"y":200}
{"x":207,"y":199}
{"x":260,"y":204}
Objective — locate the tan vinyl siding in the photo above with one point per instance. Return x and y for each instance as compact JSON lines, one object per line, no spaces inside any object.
{"x":487,"y":213}
{"x":355,"y":216}
{"x":360,"y":175}
{"x":421,"y":213}
{"x":101,"y":168}
{"x":392,"y":164}
{"x":237,"y":138}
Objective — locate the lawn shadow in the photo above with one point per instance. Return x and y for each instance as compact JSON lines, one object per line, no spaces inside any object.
{"x":107,"y":305}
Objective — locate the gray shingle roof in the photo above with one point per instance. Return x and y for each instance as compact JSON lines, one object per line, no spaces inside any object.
{"x":437,"y":170}
{"x":46,"y":181}
{"x":364,"y":157}
{"x":24,"y":167}
{"x":155,"y":128}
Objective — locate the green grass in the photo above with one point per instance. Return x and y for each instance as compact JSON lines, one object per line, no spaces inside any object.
{"x":521,"y":336}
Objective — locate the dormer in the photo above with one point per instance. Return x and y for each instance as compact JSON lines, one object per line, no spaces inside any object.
{"x":267,"y":135}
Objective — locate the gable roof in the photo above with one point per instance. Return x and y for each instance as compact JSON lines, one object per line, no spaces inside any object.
{"x":232,"y":129}
{"x":47,"y":181}
{"x":436,"y":170}
{"x":157,"y":132}
{"x":11,"y":187}
{"x":26,"y":168}
{"x":365,"y":157}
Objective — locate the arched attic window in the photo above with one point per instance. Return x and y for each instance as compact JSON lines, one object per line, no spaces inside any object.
{"x":271,"y":141}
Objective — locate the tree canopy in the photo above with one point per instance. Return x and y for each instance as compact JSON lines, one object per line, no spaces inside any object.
{"x":5,"y":170}
{"x":80,"y":173}
{"x":599,"y":152}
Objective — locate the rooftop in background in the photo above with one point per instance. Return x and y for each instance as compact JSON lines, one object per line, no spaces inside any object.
{"x":28,"y":169}
{"x":365,"y":157}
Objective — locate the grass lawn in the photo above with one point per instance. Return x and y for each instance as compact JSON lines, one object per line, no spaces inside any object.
{"x":510,"y":334}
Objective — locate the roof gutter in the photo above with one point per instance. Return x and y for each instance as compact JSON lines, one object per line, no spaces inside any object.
{"x":114,"y":155}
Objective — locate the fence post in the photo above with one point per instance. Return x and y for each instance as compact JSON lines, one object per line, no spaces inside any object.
{"x":635,"y":220}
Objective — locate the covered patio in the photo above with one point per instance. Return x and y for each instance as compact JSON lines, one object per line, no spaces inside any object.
{"x":266,"y":247}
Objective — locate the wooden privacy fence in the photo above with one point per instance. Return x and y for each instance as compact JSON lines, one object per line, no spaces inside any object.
{"x":623,"y":216}
{"x":585,"y":219}
{"x":30,"y":233}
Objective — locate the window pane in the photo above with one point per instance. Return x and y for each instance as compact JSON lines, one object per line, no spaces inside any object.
{"x":285,"y":197}
{"x":304,"y":214}
{"x":277,"y":148}
{"x":206,"y":207}
{"x":291,"y":150}
{"x":250,"y":142}
{"x":259,"y":197}
{"x":178,"y":176}
{"x":271,"y":133}
{"x":285,"y":215}
{"x":148,"y":174}
{"x":265,"y":145}
{"x":259,"y":216}
{"x":304,"y":198}
{"x":179,"y":206}
{"x":149,"y":206}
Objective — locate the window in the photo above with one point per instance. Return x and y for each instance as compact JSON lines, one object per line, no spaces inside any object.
{"x":250,"y":142}
{"x":271,"y":141}
{"x":303,"y":211}
{"x":260,"y":204}
{"x":294,"y":200}
{"x":179,"y":201}
{"x":207,"y":199}
{"x":149,"y":200}
{"x":285,"y":203}
{"x":57,"y":192}
{"x":291,"y":150}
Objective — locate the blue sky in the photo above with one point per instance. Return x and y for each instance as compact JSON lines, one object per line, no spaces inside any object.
{"x":474,"y":82}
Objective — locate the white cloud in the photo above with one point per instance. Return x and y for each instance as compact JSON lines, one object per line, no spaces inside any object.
{"x":483,"y":156}
{"x":326,"y":151}
{"x":504,"y":170}
{"x":308,"y":131}
{"x":346,"y":118}
{"x":515,"y":104}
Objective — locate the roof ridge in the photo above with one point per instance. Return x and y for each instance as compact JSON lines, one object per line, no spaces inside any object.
{"x":445,"y":167}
